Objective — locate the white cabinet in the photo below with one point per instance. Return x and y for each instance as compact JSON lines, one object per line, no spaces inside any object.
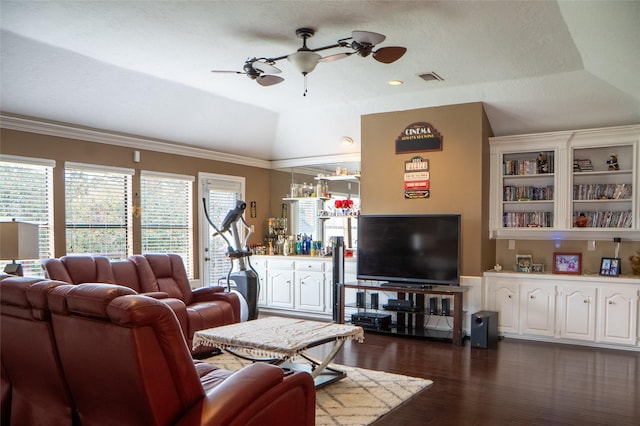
{"x":280,"y":277}
{"x":577,"y":311}
{"x":587,"y":308}
{"x":503,"y":297}
{"x":260,"y":265}
{"x":537,"y":306}
{"x":540,"y":185}
{"x":310,"y":286}
{"x":298,"y":284}
{"x":617,"y":315}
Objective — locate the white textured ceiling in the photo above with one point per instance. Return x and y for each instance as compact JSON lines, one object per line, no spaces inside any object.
{"x":142,"y":67}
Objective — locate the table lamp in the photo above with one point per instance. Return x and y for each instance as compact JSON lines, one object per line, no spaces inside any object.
{"x":18,"y":241}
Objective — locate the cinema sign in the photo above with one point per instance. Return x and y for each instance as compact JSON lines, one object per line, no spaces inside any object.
{"x":418,"y":137}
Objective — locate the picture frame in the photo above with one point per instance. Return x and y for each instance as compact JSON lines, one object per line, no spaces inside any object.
{"x":610,"y":266}
{"x":524,"y":262}
{"x":537,"y":268}
{"x":567,"y":263}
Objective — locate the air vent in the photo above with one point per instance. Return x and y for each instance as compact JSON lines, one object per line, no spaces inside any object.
{"x":430,"y":76}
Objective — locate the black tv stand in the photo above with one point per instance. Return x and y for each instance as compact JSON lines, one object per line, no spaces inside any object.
{"x":411,"y":323}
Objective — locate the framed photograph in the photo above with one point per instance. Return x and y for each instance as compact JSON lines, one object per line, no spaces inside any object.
{"x":567,"y":263}
{"x":523,"y":262}
{"x":610,"y":266}
{"x":537,"y":267}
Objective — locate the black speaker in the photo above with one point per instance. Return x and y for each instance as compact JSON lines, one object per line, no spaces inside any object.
{"x":337,"y":261}
{"x":374,"y":300}
{"x":433,"y":306}
{"x":484,"y":329}
{"x":445,"y":308}
{"x":361,"y":299}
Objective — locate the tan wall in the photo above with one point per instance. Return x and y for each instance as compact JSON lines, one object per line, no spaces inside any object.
{"x":459,"y":173}
{"x":62,"y":149}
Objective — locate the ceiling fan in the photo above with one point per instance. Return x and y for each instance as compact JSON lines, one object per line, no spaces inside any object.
{"x":305,"y":59}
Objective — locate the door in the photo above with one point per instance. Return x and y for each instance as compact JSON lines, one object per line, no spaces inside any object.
{"x":617,"y":315}
{"x":537,"y":309}
{"x":219,"y":194}
{"x":577,"y":312}
{"x":502,"y":297}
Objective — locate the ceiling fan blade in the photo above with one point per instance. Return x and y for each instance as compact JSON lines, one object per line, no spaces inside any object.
{"x":269,"y":80}
{"x":387,"y":55}
{"x":227,"y":72}
{"x":367,"y":37}
{"x":336,"y":57}
{"x":265,"y":68}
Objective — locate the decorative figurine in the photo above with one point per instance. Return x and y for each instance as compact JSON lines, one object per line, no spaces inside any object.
{"x":613,"y":162}
{"x":635,"y":263}
{"x":582,"y":221}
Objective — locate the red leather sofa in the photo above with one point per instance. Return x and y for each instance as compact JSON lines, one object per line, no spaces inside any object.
{"x":100,"y":354}
{"x":162,"y":276}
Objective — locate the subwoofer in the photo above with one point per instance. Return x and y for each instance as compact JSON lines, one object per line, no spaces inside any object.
{"x":484,"y":329}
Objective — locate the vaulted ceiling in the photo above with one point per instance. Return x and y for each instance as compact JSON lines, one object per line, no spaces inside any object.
{"x":143,"y":68}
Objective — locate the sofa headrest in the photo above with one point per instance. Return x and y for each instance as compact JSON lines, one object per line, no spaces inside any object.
{"x":88,"y":269}
{"x":89,"y":299}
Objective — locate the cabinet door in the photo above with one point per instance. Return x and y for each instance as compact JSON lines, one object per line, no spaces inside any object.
{"x":617,"y":313}
{"x":280,"y":288}
{"x":502,"y":295}
{"x":577,"y":312}
{"x":260,"y":265}
{"x":537,"y":309}
{"x":310,"y":291}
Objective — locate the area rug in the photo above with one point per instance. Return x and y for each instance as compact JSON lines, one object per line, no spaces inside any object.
{"x":359,"y":399}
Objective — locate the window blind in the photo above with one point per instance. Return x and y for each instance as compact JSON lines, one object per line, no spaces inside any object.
{"x":26,"y":195}
{"x":98,"y":213}
{"x":167,"y":215}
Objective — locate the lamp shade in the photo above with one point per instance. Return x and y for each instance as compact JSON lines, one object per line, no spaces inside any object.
{"x":19,"y":240}
{"x":304,"y":60}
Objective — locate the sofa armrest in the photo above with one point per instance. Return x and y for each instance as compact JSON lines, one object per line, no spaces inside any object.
{"x":156,"y":294}
{"x":205,"y":292}
{"x":257,"y":394}
{"x":180,"y":310}
{"x":209,"y":294}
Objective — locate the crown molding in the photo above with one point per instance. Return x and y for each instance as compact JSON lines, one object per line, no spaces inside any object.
{"x":89,"y":135}
{"x":314,"y":161}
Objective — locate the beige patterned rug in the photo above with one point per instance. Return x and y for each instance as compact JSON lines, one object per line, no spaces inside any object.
{"x":359,"y":399}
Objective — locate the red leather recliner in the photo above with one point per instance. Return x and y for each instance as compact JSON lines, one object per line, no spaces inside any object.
{"x":34,"y":390}
{"x":127,"y":363}
{"x":162,"y":276}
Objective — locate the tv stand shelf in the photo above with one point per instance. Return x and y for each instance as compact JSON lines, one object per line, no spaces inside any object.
{"x":410,"y":323}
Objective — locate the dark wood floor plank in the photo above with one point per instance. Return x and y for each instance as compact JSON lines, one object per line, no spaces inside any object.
{"x":519,"y":383}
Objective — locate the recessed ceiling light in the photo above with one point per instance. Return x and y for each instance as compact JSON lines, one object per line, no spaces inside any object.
{"x":394,"y":82}
{"x":346,"y":140}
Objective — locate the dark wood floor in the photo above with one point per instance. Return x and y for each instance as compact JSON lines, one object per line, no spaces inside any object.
{"x":519,"y":383}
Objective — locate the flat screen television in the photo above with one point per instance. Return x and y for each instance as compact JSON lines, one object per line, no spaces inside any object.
{"x":409,"y":249}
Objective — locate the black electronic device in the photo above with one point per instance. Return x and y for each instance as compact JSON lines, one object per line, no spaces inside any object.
{"x":484,"y":329}
{"x":433,"y":306}
{"x":361,"y":299}
{"x":445,"y":311}
{"x":399,"y":303}
{"x":374,"y":300}
{"x":371,"y":320}
{"x":411,"y":250}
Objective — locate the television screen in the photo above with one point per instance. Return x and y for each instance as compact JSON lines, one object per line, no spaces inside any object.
{"x":409,"y":249}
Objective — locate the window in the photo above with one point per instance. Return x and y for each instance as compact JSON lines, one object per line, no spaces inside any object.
{"x":167,"y":215}
{"x":26,"y":194}
{"x":98,"y":213}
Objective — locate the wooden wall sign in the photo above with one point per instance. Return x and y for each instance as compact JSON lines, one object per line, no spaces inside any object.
{"x":418,"y":137}
{"x":416,"y":178}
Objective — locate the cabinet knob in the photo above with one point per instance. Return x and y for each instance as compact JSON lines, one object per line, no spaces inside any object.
{"x":509,"y":296}
{"x":532,"y":297}
{"x":611,"y":302}
{"x":585,"y":301}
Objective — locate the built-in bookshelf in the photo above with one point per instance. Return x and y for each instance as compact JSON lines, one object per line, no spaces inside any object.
{"x":579,"y":184}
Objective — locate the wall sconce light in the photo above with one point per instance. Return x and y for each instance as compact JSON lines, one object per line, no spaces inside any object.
{"x":346,"y":140}
{"x":18,"y":240}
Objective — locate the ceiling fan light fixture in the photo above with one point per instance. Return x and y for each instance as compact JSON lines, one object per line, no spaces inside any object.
{"x":304,"y":60}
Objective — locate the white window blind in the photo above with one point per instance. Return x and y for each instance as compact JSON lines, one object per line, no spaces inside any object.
{"x":167,"y":215}
{"x":26,"y":195}
{"x":98,"y":210}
